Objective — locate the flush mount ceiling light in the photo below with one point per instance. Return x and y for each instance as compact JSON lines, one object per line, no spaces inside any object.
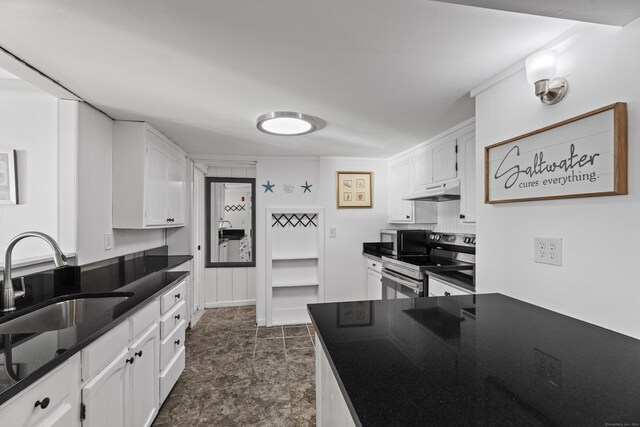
{"x":287,"y":123}
{"x":541,"y":72}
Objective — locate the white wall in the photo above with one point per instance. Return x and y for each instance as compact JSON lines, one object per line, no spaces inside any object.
{"x":598,"y":281}
{"x":344,"y":273}
{"x":234,"y":285}
{"x":28,"y":124}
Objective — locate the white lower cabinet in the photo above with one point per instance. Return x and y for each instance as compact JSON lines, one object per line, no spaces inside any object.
{"x":143,"y":378}
{"x":169,"y":376}
{"x":125,"y":393}
{"x":119,"y":380}
{"x":51,"y":401}
{"x":373,"y":271}
{"x":331,"y":407}
{"x":374,"y":284}
{"x":104,"y":397}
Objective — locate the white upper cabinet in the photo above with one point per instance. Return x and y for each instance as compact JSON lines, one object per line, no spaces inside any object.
{"x":177,"y":179}
{"x":421,"y":169}
{"x":445,"y":161}
{"x":405,"y":211}
{"x":433,"y":163}
{"x":149,"y":178}
{"x":399,"y":182}
{"x":467,"y":145}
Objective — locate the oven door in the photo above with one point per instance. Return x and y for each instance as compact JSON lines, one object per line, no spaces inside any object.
{"x":397,"y":286}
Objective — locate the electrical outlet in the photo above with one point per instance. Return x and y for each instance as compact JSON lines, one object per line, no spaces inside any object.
{"x":547,"y":367}
{"x":108,"y":241}
{"x":332,"y":232}
{"x":547,"y":250}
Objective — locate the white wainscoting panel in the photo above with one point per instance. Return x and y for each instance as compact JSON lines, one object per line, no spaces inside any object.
{"x":225,"y":287}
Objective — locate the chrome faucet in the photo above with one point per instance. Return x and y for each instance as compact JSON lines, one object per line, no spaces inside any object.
{"x":9,"y":296}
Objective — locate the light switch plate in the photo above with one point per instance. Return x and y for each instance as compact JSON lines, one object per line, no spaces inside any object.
{"x":548,"y":250}
{"x":332,"y":232}
{"x":108,"y":241}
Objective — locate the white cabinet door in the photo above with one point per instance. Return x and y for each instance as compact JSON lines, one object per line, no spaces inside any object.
{"x":374,"y":284}
{"x":156,"y":199}
{"x":399,"y":185}
{"x":467,"y":147}
{"x":177,"y":179}
{"x":143,"y":378}
{"x":63,"y":416}
{"x":421,"y":169}
{"x":445,"y":160}
{"x":105,"y":396}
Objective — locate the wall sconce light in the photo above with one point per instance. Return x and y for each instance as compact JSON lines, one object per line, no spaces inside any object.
{"x":541,"y":72}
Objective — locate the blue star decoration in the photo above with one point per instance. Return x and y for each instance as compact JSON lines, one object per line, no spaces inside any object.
{"x":307,"y":187}
{"x":268,"y":186}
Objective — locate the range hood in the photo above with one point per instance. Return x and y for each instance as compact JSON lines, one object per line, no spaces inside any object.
{"x":440,"y":192}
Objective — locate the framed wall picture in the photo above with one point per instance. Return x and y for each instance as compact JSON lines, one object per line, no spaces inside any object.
{"x":354,"y":190}
{"x":8,"y":178}
{"x":584,"y":156}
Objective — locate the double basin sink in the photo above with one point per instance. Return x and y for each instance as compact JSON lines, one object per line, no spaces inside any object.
{"x":64,"y":314}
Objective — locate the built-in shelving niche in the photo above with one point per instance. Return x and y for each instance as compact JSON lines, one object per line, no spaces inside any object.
{"x":295,"y":263}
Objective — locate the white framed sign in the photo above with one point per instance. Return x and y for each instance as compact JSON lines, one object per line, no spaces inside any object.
{"x":584,"y":156}
{"x":8,"y":178}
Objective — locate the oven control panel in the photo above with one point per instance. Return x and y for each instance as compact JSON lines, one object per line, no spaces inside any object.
{"x":453,"y":239}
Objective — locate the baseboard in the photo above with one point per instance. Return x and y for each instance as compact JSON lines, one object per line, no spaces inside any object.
{"x":218,"y":304}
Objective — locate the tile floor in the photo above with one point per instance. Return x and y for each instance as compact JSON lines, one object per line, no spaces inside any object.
{"x":239,"y":375}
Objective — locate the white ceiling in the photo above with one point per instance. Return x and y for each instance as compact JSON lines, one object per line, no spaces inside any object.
{"x":383,"y":74}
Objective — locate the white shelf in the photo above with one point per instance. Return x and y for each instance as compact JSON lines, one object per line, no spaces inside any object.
{"x":295,"y":284}
{"x":294,"y":264}
{"x":292,"y":257}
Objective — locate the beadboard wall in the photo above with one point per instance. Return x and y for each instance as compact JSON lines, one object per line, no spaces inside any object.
{"x":236,"y":285}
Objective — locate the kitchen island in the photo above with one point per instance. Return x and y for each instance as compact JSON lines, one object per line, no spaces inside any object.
{"x":483,"y":359}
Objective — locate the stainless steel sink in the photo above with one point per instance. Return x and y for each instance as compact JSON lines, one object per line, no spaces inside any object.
{"x":62,"y":315}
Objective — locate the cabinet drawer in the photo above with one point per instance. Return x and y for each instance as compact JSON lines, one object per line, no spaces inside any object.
{"x":102,"y":351}
{"x":171,"y":344}
{"x":173,"y":297}
{"x":440,"y":289}
{"x":140,"y":321}
{"x":169,"y":321}
{"x":374,"y":264}
{"x":57,"y":387}
{"x":170,"y":375}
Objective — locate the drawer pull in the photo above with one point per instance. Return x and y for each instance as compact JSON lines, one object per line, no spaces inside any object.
{"x":139,"y":353}
{"x":177,"y":296}
{"x":43,"y":403}
{"x":177,"y":317}
{"x":447,"y":294}
{"x":177,"y":342}
{"x":131,"y":360}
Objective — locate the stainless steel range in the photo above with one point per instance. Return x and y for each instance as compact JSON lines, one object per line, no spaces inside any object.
{"x":450,"y":259}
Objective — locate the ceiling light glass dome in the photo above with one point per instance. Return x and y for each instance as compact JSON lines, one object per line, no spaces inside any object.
{"x":287,"y":123}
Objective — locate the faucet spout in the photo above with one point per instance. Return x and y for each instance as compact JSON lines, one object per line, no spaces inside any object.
{"x":9,"y":295}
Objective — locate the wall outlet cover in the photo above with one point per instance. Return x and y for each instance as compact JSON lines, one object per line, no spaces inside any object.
{"x":108,"y":241}
{"x":547,"y":250}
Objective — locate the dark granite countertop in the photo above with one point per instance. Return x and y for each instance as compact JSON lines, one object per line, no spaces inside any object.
{"x":477,"y":360}
{"x":34,"y":355}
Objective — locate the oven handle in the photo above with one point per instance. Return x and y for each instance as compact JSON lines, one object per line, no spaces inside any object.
{"x":403,"y":282}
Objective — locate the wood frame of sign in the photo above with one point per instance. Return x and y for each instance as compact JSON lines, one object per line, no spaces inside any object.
{"x":576,"y":166}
